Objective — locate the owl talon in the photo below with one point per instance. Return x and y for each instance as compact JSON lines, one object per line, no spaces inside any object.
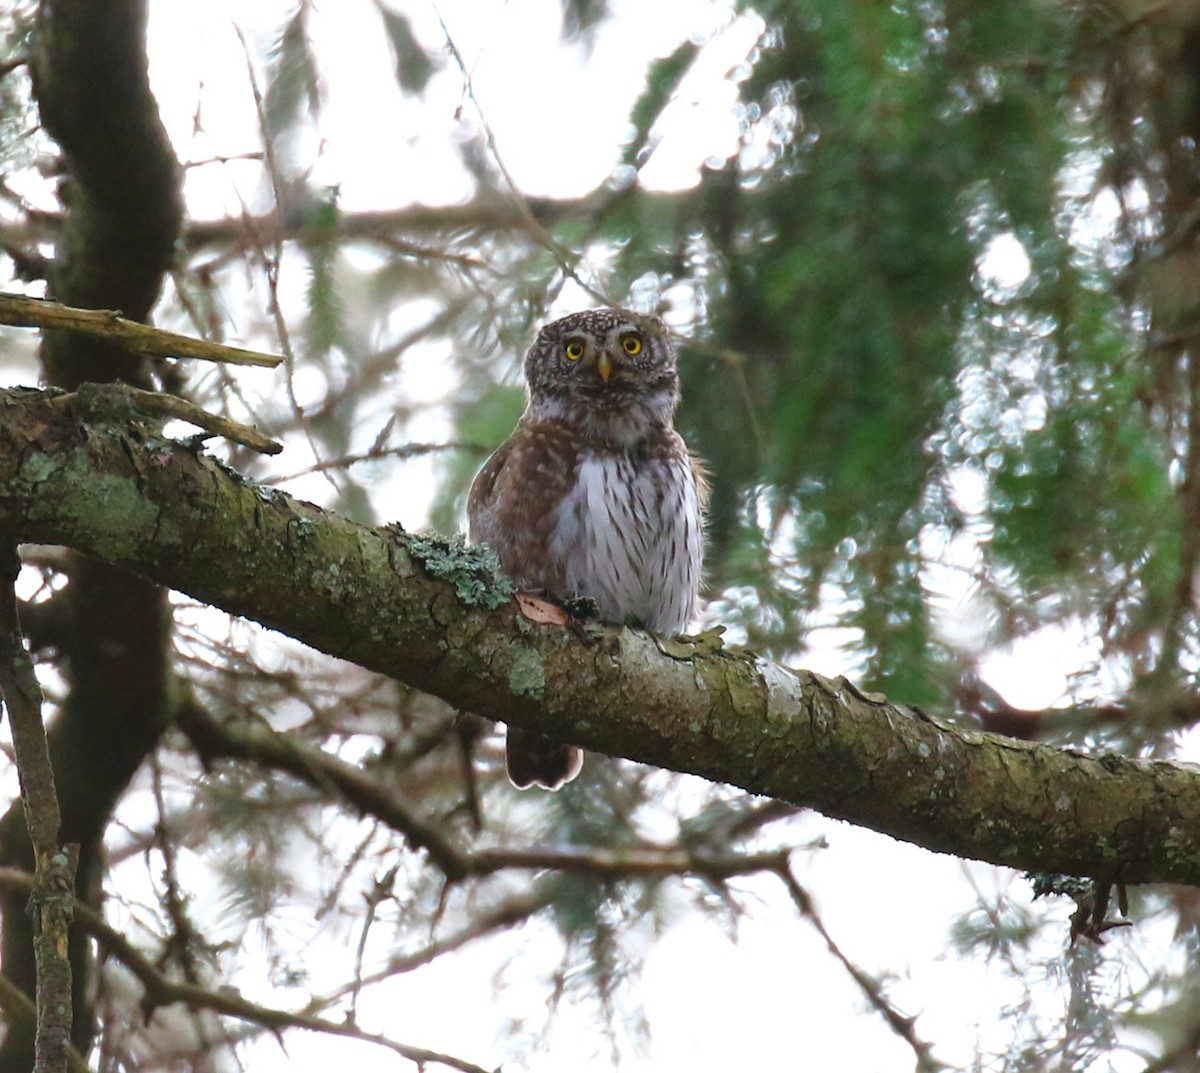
{"x":581,"y":607}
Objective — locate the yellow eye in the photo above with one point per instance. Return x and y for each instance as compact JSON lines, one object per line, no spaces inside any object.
{"x":632,"y":344}
{"x":574,"y":350}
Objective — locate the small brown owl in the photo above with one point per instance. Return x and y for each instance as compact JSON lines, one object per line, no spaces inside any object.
{"x":594,"y":494}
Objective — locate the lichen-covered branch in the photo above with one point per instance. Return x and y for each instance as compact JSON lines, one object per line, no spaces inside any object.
{"x":119,"y":401}
{"x":430,"y":613}
{"x":121,"y":189}
{"x":19,"y":1009}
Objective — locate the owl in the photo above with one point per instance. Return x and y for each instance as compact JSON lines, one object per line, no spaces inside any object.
{"x":594,"y":494}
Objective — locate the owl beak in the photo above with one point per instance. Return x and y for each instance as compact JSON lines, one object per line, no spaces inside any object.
{"x":604,"y":366}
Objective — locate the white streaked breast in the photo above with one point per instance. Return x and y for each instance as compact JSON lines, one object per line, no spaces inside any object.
{"x":631,"y":536}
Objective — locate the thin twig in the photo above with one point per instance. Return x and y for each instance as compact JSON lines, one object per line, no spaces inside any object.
{"x":272,"y":263}
{"x":626,"y":861}
{"x":318,"y":769}
{"x":376,"y":454}
{"x":163,"y":991}
{"x":269,"y":748}
{"x":54,"y":869}
{"x":506,"y":915}
{"x":383,"y":889}
{"x":23,"y":312}
{"x":903,"y":1025}
{"x":185,"y":939}
{"x":567,"y":259}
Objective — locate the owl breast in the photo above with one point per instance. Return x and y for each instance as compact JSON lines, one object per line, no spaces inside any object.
{"x":629,"y":535}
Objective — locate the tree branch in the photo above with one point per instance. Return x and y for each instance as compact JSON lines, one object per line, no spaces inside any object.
{"x":109,"y":402}
{"x":433,"y":614}
{"x":902,"y":1024}
{"x":319,"y":769}
{"x":130,"y":334}
{"x":161,"y":990}
{"x":489,"y":213}
{"x":122,"y":188}
{"x":17,"y":1008}
{"x":54,"y":870}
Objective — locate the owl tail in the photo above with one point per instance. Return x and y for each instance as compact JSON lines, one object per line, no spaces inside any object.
{"x":533,"y":759}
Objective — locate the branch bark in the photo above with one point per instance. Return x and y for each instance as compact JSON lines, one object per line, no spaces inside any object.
{"x":54,"y":872}
{"x":122,"y":188}
{"x":23,"y":312}
{"x":89,"y":72}
{"x":433,"y":614}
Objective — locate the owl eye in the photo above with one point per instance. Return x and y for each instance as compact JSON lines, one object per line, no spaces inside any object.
{"x":573,"y":350}
{"x":631,"y":344}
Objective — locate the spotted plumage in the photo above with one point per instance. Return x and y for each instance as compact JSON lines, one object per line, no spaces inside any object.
{"x":594,"y":494}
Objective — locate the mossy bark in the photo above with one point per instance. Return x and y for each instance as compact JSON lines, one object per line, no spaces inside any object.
{"x":121,"y":187}
{"x":70,"y":475}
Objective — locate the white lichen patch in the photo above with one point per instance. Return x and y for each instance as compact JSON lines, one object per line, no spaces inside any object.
{"x":785,"y":695}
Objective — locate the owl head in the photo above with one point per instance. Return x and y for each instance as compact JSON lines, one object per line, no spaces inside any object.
{"x":609,"y":373}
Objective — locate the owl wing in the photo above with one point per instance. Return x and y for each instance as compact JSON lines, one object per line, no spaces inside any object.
{"x":511,"y":508}
{"x":512,"y":503}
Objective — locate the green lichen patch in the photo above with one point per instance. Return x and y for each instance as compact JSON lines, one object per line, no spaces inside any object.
{"x":38,"y":467}
{"x":526,"y":676}
{"x":473,"y":570}
{"x":692,"y":646}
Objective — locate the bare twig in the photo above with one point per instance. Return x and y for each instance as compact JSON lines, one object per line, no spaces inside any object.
{"x":163,"y":991}
{"x":903,"y":1025}
{"x":185,"y":939}
{"x":319,"y":769}
{"x":375,"y":454}
{"x":506,"y":915}
{"x":271,"y":263}
{"x":54,"y":870}
{"x":627,"y":861}
{"x":568,"y":260}
{"x":39,"y":313}
{"x":316,"y":768}
{"x":383,"y":890}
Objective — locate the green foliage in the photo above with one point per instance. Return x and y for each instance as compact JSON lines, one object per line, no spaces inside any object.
{"x":324,"y":327}
{"x":661,"y":84}
{"x":292,"y":84}
{"x":414,"y":67}
{"x":580,"y":17}
{"x":850,"y":354}
{"x":847,"y":355}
